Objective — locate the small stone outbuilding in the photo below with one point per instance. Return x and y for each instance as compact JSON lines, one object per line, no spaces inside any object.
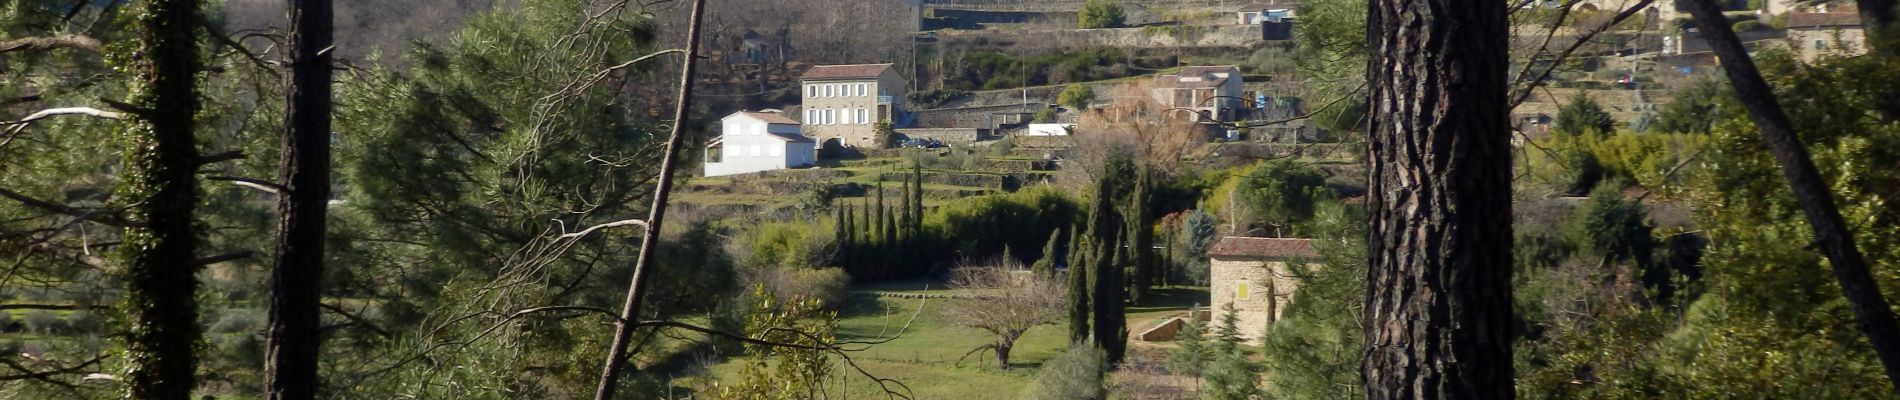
{"x":1253,"y":274}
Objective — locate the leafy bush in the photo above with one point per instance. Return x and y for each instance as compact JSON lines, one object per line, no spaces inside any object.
{"x":1045,"y":115}
{"x":1582,"y":115}
{"x":829,"y":285}
{"x":1076,"y":96}
{"x":1073,"y":375}
{"x":1100,"y":14}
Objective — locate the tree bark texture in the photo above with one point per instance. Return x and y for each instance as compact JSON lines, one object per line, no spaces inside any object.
{"x":161,"y":159}
{"x":1810,"y":191}
{"x":650,"y":239}
{"x":292,"y":339}
{"x":1438,"y":307}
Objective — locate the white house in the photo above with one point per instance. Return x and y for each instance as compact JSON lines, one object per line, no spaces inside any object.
{"x":758,"y":141}
{"x":1214,"y":91}
{"x":1049,"y":130}
{"x":1255,"y":275}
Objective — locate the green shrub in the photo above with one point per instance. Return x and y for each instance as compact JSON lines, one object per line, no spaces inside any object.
{"x":1076,"y":374}
{"x":830,"y":285}
{"x":1100,"y":14}
{"x":1076,"y":96}
{"x":1750,"y":25}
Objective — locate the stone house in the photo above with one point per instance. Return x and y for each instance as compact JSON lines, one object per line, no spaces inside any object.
{"x":757,"y":141}
{"x":842,"y":104}
{"x":1212,"y":91}
{"x":1815,"y":35}
{"x":1254,"y":275}
{"x":1254,"y":14}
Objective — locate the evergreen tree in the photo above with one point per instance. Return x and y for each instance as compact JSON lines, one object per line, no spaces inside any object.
{"x":1195,"y":351}
{"x":1231,"y":376}
{"x":1046,"y":266}
{"x":1582,"y":115}
{"x":1078,"y":300}
{"x":1141,"y":234}
{"x":1109,"y":288}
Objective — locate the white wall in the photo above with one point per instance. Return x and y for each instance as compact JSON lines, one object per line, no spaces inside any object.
{"x":747,"y":147}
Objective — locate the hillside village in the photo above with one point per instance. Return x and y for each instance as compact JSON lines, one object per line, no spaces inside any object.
{"x":925,"y":199}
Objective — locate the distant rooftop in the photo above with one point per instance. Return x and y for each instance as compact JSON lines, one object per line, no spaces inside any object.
{"x":1823,"y":20}
{"x":1256,"y":247}
{"x":837,"y":72}
{"x":770,"y":117}
{"x":1199,"y":77}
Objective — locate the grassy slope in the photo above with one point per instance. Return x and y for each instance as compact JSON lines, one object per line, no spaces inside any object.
{"x":925,"y":356}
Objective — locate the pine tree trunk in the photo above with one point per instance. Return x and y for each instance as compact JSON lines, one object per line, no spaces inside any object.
{"x":292,"y":338}
{"x":162,"y":158}
{"x":1438,"y":308}
{"x":1810,"y":190}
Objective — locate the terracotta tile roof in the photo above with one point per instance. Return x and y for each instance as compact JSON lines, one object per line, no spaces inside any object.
{"x":1280,"y":248}
{"x":834,"y":72}
{"x":770,"y":118}
{"x":1820,"y":20}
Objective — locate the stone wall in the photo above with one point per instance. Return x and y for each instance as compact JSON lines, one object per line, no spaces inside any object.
{"x":1154,"y":36}
{"x":1270,"y":288}
{"x":955,"y":136}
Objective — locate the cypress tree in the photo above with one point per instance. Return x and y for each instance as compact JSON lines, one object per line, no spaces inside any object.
{"x":917,"y":215}
{"x":903,"y":212}
{"x":891,"y":250}
{"x":1141,"y":234}
{"x":1045,"y":267}
{"x":1078,"y":302}
{"x":1108,"y":289}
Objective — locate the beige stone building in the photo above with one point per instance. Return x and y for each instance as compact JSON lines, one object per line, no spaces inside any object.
{"x":1814,"y":36}
{"x":1254,"y":275}
{"x":1213,"y":91}
{"x":843,"y":103}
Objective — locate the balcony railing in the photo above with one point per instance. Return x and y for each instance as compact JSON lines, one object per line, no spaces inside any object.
{"x":886,"y":99}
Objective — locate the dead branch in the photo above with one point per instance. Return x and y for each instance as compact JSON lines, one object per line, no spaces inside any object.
{"x":46,"y":376}
{"x":1525,"y":93}
{"x":355,"y":318}
{"x":623,"y":334}
{"x":50,"y":307}
{"x":108,"y":219}
{"x":66,"y":41}
{"x":259,"y":184}
{"x":14,"y":127}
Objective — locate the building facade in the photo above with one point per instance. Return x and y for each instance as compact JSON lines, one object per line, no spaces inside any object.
{"x":1818,"y":35}
{"x":1212,"y":91}
{"x":842,"y":104}
{"x":758,"y":141}
{"x":1255,"y":275}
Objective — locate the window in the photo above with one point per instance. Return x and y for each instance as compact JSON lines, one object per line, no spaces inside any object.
{"x":811,"y":116}
{"x":1241,"y":290}
{"x":831,"y":117}
{"x":864,"y":117}
{"x":861,"y":89}
{"x":1820,"y":44}
{"x":811,"y":90}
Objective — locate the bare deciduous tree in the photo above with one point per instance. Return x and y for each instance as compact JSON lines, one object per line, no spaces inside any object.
{"x":1008,"y":304}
